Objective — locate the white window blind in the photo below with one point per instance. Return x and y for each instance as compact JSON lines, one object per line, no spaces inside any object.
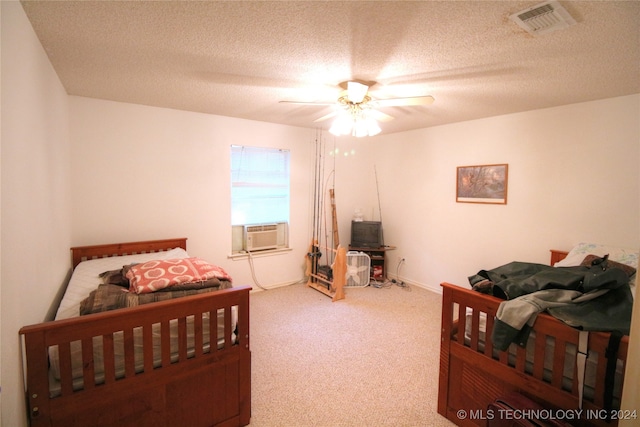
{"x":259,"y":185}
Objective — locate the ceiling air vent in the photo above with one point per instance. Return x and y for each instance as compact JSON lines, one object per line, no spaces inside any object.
{"x":543,"y":18}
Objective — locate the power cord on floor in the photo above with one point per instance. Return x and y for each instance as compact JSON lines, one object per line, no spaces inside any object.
{"x":389,"y":283}
{"x":253,"y":272}
{"x":380,"y":283}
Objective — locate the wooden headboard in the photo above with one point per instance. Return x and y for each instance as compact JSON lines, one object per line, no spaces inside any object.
{"x":82,"y":253}
{"x":557,"y":255}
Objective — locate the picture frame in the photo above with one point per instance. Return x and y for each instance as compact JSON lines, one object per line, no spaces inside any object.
{"x":482,"y":184}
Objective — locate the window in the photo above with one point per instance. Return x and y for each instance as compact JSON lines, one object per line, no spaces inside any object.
{"x":259,"y":191}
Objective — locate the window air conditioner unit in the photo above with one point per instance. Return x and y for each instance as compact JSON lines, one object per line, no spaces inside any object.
{"x":260,"y":237}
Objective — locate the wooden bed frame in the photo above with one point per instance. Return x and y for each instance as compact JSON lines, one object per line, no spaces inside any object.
{"x":471,"y":376}
{"x":210,"y":385}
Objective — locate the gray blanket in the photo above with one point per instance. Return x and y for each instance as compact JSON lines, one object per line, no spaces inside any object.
{"x":111,"y":297}
{"x":592,"y":298}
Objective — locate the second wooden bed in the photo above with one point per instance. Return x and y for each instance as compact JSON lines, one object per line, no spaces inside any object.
{"x":473,"y":373}
{"x":192,"y":385}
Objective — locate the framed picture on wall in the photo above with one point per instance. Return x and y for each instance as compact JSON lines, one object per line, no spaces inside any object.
{"x":482,"y":184}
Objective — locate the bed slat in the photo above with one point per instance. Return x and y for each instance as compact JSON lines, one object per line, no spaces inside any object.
{"x":165,"y":342}
{"x":488,"y":345}
{"x":198,"y":333}
{"x":64,"y":351}
{"x":213,"y":330}
{"x":182,"y":339}
{"x":462,"y":324}
{"x":504,"y":358}
{"x":227,"y":328}
{"x":475,"y":329}
{"x":601,"y":369}
{"x":88,"y":367}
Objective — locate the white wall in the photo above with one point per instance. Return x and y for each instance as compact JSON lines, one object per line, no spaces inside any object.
{"x":142,"y":172}
{"x":36,"y":204}
{"x":573,"y":176}
{"x":147,"y":173}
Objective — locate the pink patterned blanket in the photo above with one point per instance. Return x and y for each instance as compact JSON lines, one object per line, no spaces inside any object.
{"x":158,"y":275}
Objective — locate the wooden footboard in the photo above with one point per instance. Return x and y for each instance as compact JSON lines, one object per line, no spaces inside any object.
{"x":472,"y":374}
{"x":207,"y":386}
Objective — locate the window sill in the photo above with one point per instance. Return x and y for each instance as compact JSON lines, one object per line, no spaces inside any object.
{"x":258,"y":254}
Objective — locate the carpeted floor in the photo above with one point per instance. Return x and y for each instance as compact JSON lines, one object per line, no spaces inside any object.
{"x":369,"y":360}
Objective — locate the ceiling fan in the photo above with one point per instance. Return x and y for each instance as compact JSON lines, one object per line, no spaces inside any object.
{"x":357,"y":111}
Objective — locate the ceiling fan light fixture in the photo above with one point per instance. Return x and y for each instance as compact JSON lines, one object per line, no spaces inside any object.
{"x":356,"y":92}
{"x":356,"y":113}
{"x":341,"y":125}
{"x":371,"y":126}
{"x":354,"y":124}
{"x":360,"y":129}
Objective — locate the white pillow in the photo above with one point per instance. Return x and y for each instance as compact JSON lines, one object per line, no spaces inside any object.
{"x":581,"y":250}
{"x":621,"y":255}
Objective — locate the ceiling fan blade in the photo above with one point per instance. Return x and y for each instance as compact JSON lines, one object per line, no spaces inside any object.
{"x":328,"y":116}
{"x":356,"y":92}
{"x":379,"y":115}
{"x":400,"y":102}
{"x":324,"y":104}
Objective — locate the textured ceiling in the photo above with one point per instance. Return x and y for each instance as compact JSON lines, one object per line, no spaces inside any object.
{"x":240,"y":58}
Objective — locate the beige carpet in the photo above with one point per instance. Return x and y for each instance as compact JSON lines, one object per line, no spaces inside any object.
{"x":369,"y":360}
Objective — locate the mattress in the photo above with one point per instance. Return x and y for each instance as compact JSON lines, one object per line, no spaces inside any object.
{"x":84,"y":280}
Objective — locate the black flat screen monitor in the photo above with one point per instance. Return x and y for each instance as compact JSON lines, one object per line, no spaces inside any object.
{"x":366,"y":234}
